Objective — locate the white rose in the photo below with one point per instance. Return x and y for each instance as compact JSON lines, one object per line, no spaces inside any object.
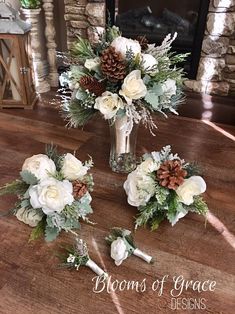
{"x":191,"y":187}
{"x":40,"y":165}
{"x":169,"y":87}
{"x":51,"y":195}
{"x":92,"y":64}
{"x":149,"y":165}
{"x":139,"y":188}
{"x":133,"y":86}
{"x":73,"y":168}
{"x":118,"y":251}
{"x":122,"y":45}
{"x":30,"y":216}
{"x":148,"y":62}
{"x":108,"y":104}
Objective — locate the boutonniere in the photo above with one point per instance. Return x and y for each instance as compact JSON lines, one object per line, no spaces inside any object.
{"x":123,"y":246}
{"x":77,"y":256}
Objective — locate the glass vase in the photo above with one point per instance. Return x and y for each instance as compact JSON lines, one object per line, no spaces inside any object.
{"x":123,"y":146}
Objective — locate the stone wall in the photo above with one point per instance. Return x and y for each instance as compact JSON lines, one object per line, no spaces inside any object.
{"x":84,"y":18}
{"x":216,"y":72}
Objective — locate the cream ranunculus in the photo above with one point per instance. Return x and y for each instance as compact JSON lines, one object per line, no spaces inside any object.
{"x":73,"y":168}
{"x":29,"y":216}
{"x":149,"y":165}
{"x":122,"y":45}
{"x":92,"y":64}
{"x":133,"y":86}
{"x":51,"y":195}
{"x":40,"y":165}
{"x":169,"y":87}
{"x":118,"y":251}
{"x":108,"y":104}
{"x":191,"y":187}
{"x":139,"y":187}
{"x":149,"y":63}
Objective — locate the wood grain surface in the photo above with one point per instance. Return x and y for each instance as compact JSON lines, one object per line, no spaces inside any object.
{"x":31,"y":281}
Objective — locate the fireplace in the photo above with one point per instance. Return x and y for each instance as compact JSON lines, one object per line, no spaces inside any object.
{"x":155,"y":19}
{"x":216,"y":71}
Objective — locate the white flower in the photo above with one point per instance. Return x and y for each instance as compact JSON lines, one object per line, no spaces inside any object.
{"x":122,"y":45}
{"x":149,"y":165}
{"x":92,"y":64}
{"x":51,"y":195}
{"x":73,"y":168}
{"x":148,"y":62}
{"x":29,"y":216}
{"x":40,"y":165}
{"x":118,"y":251}
{"x":139,"y":187}
{"x":71,"y":258}
{"x":169,"y":87}
{"x":108,"y":104}
{"x":133,"y":86}
{"x":191,"y":187}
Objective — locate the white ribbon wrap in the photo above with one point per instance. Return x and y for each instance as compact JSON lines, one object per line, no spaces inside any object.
{"x":142,"y":255}
{"x":122,"y":138}
{"x":96,"y":269}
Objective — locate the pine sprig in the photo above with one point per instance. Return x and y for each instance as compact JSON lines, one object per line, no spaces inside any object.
{"x":192,"y":169}
{"x":178,"y":58}
{"x":82,"y":49}
{"x":38,"y":231}
{"x":52,"y":153}
{"x":17,"y":187}
{"x":146,"y":213}
{"x":77,"y":114}
{"x":199,"y":206}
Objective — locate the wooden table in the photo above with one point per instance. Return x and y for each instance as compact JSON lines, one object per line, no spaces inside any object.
{"x":31,"y":282}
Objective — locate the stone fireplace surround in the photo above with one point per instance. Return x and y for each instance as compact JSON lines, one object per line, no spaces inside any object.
{"x":216,"y":72}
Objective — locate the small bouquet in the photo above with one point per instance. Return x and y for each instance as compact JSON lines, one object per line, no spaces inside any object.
{"x":78,"y":256}
{"x":165,"y":186}
{"x":122,"y":246}
{"x":122,"y":78}
{"x":53,"y":193}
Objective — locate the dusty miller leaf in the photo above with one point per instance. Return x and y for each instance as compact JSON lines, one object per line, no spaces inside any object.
{"x":28,"y":177}
{"x":51,"y":233}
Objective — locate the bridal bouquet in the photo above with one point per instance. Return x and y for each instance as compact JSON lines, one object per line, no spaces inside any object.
{"x":164,"y":186}
{"x":53,"y":193}
{"x":121,"y":77}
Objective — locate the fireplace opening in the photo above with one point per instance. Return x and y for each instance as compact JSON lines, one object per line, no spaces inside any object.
{"x":155,"y":19}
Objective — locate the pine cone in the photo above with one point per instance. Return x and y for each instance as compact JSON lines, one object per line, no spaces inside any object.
{"x":92,"y":84}
{"x":143,"y":41}
{"x":79,"y":189}
{"x":171,"y":174}
{"x":113,"y":65}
